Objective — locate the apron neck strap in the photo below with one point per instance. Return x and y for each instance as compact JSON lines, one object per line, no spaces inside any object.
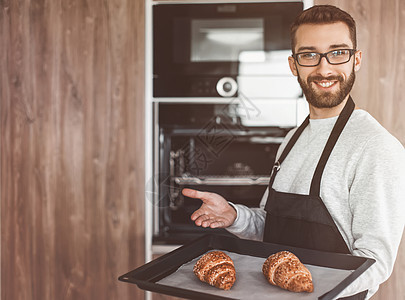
{"x":287,"y":149}
{"x":334,"y":136}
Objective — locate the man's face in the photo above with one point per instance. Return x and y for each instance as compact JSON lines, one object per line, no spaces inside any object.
{"x":325,"y":85}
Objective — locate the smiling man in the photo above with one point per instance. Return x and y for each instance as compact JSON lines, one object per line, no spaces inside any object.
{"x":338,"y":183}
{"x":325,"y":60}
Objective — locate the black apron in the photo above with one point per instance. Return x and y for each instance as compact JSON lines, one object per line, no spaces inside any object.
{"x":303,"y":220}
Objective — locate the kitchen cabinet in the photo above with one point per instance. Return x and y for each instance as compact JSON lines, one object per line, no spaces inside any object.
{"x":72,"y":158}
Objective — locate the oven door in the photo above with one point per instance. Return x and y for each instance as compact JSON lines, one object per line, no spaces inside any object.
{"x":235,"y":165}
{"x":195,"y":45}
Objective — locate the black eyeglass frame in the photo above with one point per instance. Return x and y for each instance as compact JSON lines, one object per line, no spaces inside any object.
{"x":351,"y":52}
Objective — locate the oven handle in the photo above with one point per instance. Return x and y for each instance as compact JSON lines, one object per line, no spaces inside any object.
{"x":222,"y":180}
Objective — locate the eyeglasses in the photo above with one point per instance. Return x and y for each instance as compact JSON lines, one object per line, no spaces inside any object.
{"x":334,"y":57}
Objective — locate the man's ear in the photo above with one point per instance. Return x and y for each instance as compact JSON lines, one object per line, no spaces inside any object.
{"x":357,"y":60}
{"x":293,"y":66}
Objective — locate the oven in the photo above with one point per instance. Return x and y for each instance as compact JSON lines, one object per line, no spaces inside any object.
{"x":198,"y":48}
{"x":206,"y":147}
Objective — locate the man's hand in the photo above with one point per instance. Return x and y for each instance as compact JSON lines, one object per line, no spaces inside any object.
{"x":215,"y":212}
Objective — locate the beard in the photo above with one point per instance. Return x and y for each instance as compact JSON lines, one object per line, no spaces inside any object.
{"x":326,"y":99}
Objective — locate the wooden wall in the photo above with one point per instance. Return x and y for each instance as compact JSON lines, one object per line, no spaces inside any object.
{"x":72,"y":159}
{"x":380,"y":86}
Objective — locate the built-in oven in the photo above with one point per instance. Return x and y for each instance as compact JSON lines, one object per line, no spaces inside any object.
{"x":206,"y":147}
{"x":198,"y":48}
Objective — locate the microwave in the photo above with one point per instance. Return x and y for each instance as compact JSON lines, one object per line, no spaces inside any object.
{"x":223,"y":49}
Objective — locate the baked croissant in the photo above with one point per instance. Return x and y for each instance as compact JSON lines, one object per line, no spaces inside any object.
{"x":285,"y":270}
{"x":217,"y":269}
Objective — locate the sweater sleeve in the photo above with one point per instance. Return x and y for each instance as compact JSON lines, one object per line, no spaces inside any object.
{"x":377,"y":206}
{"x":249,"y":223}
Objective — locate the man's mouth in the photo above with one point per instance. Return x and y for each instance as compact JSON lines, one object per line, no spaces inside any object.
{"x":325,"y":83}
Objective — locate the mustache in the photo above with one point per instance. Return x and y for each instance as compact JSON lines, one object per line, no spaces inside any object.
{"x":320,"y":78}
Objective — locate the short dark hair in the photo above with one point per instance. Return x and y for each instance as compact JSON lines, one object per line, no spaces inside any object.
{"x":323,"y":14}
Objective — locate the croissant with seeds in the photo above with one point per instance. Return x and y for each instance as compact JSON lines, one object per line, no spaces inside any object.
{"x":285,"y":270}
{"x":217,"y":269}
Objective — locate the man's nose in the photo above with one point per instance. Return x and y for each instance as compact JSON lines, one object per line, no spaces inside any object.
{"x":324,"y":68}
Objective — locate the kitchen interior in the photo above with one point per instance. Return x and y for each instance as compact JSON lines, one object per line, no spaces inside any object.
{"x":106,"y":115}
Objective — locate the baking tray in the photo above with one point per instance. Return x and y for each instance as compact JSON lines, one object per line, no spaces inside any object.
{"x":147,"y":276}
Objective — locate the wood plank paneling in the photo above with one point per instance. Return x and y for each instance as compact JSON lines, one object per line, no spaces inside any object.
{"x":379,"y":86}
{"x":72,"y":165}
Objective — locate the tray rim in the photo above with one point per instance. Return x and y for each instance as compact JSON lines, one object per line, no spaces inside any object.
{"x":146,"y":276}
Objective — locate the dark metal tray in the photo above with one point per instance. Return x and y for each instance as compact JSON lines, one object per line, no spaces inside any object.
{"x":146,"y":276}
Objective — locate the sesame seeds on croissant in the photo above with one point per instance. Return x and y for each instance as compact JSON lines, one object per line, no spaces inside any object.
{"x":285,"y":270}
{"x":217,"y":269}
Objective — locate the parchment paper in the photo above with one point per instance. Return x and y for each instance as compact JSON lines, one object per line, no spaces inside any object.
{"x":250,"y":282}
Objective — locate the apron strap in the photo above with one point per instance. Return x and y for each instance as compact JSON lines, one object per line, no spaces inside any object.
{"x":334,"y":136}
{"x":287,"y":149}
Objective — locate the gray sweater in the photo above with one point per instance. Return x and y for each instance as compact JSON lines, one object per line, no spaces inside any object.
{"x":363,"y":188}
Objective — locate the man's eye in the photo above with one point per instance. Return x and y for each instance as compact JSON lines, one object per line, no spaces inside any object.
{"x":308,"y":56}
{"x":339,"y":53}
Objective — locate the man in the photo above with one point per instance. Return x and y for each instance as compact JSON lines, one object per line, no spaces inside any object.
{"x":339,"y":179}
